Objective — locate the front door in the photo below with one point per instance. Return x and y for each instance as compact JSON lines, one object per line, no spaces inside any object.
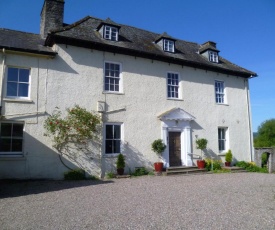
{"x":174,"y":149}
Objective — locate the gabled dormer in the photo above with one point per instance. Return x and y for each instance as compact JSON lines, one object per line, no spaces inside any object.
{"x":109,"y":30}
{"x":166,"y":42}
{"x":209,"y":50}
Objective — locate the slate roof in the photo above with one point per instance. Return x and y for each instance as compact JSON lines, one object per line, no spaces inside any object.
{"x":140,"y":43}
{"x":24,"y":42}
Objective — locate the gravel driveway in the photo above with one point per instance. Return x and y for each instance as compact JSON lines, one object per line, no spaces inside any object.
{"x":213,"y":201}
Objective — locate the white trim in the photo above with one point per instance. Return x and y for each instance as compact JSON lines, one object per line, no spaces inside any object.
{"x":226,"y":145}
{"x":179,"y":85}
{"x":121,"y":138}
{"x":169,"y":42}
{"x":6,"y":83}
{"x":113,"y":29}
{"x":120,"y":91}
{"x":184,"y":128}
{"x":213,"y":56}
{"x":224,"y":92}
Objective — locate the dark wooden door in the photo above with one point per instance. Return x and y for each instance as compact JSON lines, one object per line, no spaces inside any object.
{"x":174,"y":149}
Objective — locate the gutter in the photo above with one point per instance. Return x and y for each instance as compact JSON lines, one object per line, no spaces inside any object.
{"x":2,"y":79}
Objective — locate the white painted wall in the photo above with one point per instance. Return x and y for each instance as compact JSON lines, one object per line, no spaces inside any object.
{"x":75,"y":76}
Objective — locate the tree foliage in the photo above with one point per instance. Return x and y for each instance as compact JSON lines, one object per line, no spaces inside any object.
{"x":266,"y":134}
{"x":79,"y":126}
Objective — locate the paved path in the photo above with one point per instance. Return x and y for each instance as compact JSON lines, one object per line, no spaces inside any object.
{"x":215,"y":201}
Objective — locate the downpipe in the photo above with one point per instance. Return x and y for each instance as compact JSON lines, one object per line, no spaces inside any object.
{"x":2,"y":79}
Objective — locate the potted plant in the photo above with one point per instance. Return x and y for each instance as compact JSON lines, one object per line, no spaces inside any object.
{"x":158,"y":147}
{"x":120,"y":164}
{"x":228,"y":158}
{"x":201,"y":144}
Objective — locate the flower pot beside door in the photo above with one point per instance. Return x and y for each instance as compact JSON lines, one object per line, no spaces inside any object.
{"x":201,"y":144}
{"x":158,"y":147}
{"x":228,"y":158}
{"x":201,"y":164}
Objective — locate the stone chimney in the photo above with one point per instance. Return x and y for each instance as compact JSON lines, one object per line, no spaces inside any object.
{"x":51,"y":16}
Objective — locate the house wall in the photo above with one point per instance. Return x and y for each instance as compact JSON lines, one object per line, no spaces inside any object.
{"x":75,"y":76}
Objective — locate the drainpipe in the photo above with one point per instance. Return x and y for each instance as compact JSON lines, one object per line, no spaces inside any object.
{"x":249,"y":121}
{"x":2,"y":79}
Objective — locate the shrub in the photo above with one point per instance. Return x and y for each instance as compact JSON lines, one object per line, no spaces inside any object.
{"x":228,"y":156}
{"x":216,"y":164}
{"x":120,"y":163}
{"x":76,"y":174}
{"x":201,"y":144}
{"x":140,"y":172}
{"x":251,"y":167}
{"x":158,"y":146}
{"x":110,"y":175}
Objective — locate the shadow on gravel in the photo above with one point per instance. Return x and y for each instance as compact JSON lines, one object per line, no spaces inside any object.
{"x":15,"y":188}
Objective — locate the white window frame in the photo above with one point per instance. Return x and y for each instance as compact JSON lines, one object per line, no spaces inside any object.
{"x":11,"y":153}
{"x":168,"y":45}
{"x":18,"y":82}
{"x":121,"y":137}
{"x":109,"y":77}
{"x":213,"y":56}
{"x":220,"y":94}
{"x":224,"y":139}
{"x":111,"y":33}
{"x":172,"y":85}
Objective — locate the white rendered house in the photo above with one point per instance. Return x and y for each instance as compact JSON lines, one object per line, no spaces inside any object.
{"x":145,"y":86}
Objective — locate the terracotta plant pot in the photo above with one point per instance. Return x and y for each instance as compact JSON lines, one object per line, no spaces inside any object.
{"x":227,"y":164}
{"x":158,"y":166}
{"x":201,"y":164}
{"x":120,"y":171}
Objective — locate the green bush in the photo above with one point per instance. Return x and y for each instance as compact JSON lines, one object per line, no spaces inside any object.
{"x":251,"y":167}
{"x":158,"y":146}
{"x":76,"y":174}
{"x":120,"y":163}
{"x":216,"y":164}
{"x":228,"y":156}
{"x":140,"y":172}
{"x":110,"y":175}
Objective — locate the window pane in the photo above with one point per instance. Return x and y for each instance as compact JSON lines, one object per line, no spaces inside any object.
{"x":11,"y":89}
{"x":6,"y":129}
{"x":109,"y":132}
{"x":17,"y":130}
{"x":23,"y":90}
{"x":116,"y":131}
{"x":5,"y":145}
{"x":116,"y":146}
{"x":12,"y":74}
{"x":24,"y":75}
{"x":16,"y":145}
{"x":108,"y":146}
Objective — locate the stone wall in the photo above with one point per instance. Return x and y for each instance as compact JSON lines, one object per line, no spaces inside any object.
{"x":271,"y":160}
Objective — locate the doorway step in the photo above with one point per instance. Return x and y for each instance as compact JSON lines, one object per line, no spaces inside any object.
{"x":184,"y":170}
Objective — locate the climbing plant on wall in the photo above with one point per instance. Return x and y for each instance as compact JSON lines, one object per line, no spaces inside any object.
{"x":78,"y":127}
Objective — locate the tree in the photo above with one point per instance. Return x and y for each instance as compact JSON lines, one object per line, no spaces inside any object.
{"x":266,"y":134}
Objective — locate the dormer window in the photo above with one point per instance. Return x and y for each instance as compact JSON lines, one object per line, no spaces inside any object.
{"x":209,"y":51}
{"x":168,"y":45}
{"x":213,"y":56}
{"x":111,"y":33}
{"x":109,"y":30}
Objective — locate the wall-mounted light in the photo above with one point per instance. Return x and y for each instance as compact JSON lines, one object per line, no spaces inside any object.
{"x":196,"y":136}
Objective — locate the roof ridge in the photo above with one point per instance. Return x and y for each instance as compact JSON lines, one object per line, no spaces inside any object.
{"x":102,"y":20}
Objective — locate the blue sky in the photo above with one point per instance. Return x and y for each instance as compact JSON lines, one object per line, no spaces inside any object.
{"x":244,"y":31}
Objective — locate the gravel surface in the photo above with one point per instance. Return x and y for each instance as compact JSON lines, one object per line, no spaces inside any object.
{"x":213,"y":201}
